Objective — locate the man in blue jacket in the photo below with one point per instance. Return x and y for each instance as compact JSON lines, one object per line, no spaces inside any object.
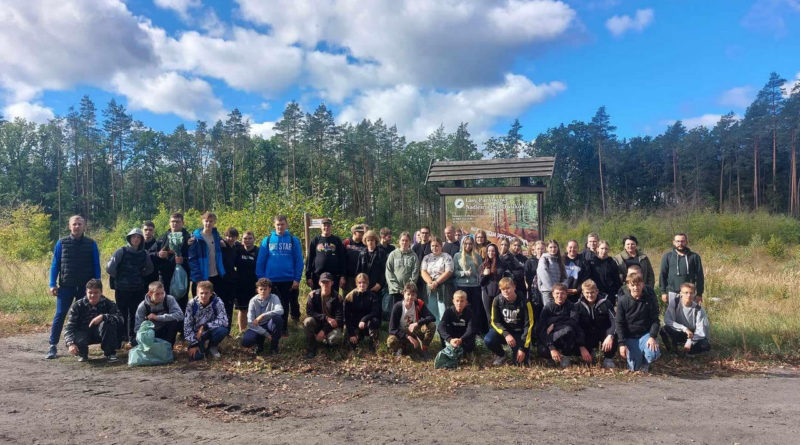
{"x":205,"y":254}
{"x":280,"y":259}
{"x":76,"y":260}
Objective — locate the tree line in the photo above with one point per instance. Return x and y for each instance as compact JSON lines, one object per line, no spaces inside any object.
{"x":107,"y":164}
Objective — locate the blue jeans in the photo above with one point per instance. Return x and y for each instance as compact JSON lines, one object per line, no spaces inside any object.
{"x":274,"y":327}
{"x":210,"y":338}
{"x":639,"y":353}
{"x":64,"y":299}
{"x":494,"y":342}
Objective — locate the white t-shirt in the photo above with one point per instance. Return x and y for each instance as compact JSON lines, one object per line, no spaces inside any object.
{"x":409,"y":317}
{"x":436,"y":266}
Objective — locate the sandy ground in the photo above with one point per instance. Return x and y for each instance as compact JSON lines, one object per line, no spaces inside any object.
{"x":63,"y":401}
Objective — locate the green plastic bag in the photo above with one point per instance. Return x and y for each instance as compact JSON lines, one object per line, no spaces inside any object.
{"x":150,"y":351}
{"x":448,"y":357}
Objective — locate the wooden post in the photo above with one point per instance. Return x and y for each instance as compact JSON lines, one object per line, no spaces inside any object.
{"x":306,"y":233}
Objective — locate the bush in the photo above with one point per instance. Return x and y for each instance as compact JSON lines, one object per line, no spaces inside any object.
{"x":25,"y":233}
{"x":776,"y":248}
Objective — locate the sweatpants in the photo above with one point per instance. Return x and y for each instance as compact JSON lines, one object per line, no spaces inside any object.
{"x":104,"y":333}
{"x":274,"y":328}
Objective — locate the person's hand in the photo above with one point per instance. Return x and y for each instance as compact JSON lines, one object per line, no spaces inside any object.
{"x":320,"y":335}
{"x":511,"y":341}
{"x":456,"y":342}
{"x":664,"y":298}
{"x":520,"y":356}
{"x":332,"y":322}
{"x":193,"y":351}
{"x":687,"y":346}
{"x":652,"y":344}
{"x":433,"y":284}
{"x":163,"y":254}
{"x":73,"y":349}
{"x":412,"y":326}
{"x":354,"y":339}
{"x":96,"y":320}
{"x":200,"y":332}
{"x":467,"y":273}
{"x":178,"y":260}
{"x":295,"y":285}
{"x":257,"y":321}
{"x":689,"y":334}
{"x":555,"y":355}
{"x":414,"y":342}
{"x":222,"y":243}
{"x":623,"y":351}
{"x":362,"y":325}
{"x":152,"y":317}
{"x":699,"y":299}
{"x":585,"y":355}
{"x":608,"y":343}
{"x":487,"y":271}
{"x":54,"y":291}
{"x":310,"y":282}
{"x":550,"y":328}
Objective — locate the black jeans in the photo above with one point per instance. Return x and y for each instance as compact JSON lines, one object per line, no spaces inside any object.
{"x":127,"y":302}
{"x":562,"y":338}
{"x":288,"y":297}
{"x":104,"y":333}
{"x":676,"y":339}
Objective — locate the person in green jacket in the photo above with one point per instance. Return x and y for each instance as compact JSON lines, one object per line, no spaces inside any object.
{"x":630,"y":256}
{"x":402,"y":267}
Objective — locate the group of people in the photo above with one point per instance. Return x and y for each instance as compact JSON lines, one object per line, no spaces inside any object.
{"x":581,"y":303}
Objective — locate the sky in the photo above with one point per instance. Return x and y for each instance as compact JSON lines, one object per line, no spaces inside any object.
{"x":417,"y":64}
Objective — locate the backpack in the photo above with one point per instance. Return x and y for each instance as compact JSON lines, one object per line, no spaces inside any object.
{"x":112,"y":282}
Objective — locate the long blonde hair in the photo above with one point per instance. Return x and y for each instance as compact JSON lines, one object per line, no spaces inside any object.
{"x":363,"y":276}
{"x":462,"y":259}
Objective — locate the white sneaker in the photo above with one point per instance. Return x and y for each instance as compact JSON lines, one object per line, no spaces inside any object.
{"x":214,"y":352}
{"x":499,"y":361}
{"x":565,"y":361}
{"x":609,"y":363}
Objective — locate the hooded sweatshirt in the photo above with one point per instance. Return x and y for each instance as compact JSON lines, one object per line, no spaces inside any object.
{"x":692,"y":318}
{"x":455,"y":325}
{"x":211,"y":316}
{"x":597,"y":321}
{"x":605,"y":273}
{"x":280,"y":258}
{"x":548,"y":272}
{"x":513,"y":317}
{"x":271,"y":307}
{"x":559,"y":316}
{"x":678,"y":269}
{"x":129,"y":266}
{"x":166,"y":311}
{"x":199,"y":256}
{"x":325,"y":254}
{"x":360,"y":306}
{"x":424,"y":316}
{"x":401,"y":268}
{"x":636,"y":317}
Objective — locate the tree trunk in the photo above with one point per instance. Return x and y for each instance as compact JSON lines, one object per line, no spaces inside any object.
{"x":755,"y":174}
{"x":675,"y":175}
{"x":602,"y":187}
{"x":721,"y":179}
{"x":793,"y":198}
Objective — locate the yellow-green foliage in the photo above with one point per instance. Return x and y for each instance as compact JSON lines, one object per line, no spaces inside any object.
{"x":655,"y":230}
{"x":25,"y":232}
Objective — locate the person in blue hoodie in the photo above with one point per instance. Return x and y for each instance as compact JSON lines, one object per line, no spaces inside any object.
{"x":280,"y":258}
{"x":205,"y":254}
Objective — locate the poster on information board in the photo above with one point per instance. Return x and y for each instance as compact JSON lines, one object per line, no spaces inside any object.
{"x":500,"y":215}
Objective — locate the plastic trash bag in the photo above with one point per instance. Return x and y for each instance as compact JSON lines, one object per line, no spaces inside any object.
{"x":448,"y":357}
{"x":150,"y":351}
{"x":180,"y":283}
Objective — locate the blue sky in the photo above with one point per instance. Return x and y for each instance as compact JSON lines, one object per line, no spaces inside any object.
{"x":415,"y":63}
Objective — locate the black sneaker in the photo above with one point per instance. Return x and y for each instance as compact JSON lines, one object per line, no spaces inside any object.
{"x":52,"y":352}
{"x":112,"y":358}
{"x":311,"y":354}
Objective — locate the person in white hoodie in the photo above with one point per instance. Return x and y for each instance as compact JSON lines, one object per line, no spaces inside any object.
{"x":264,"y":317}
{"x":686,"y":324}
{"x":550,"y":271}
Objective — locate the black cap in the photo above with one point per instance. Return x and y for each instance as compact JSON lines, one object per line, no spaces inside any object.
{"x":326,"y":276}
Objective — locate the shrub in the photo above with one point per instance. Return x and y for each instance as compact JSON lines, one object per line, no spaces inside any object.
{"x":776,"y":248}
{"x":25,"y":232}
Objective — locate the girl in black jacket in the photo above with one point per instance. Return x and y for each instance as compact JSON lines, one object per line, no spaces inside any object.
{"x":362,"y":313}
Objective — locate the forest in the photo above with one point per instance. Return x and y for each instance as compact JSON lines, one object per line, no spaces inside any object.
{"x":105,"y":164}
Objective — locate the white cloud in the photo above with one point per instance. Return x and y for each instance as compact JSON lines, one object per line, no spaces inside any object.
{"x":169,"y":93}
{"x":418,"y":112}
{"x":265,"y":129}
{"x":739,"y":97}
{"x":789,"y":86}
{"x":55,"y":45}
{"x":620,"y":24}
{"x":449,"y":44}
{"x":180,"y":6}
{"x":770,"y":16}
{"x":249,"y":61}
{"x":707,"y":120}
{"x":31,"y":112}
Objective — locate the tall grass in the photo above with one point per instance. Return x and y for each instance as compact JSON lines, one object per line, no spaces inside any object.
{"x":24,"y":297}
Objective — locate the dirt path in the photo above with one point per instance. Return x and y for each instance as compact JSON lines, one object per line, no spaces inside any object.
{"x":66,"y":402}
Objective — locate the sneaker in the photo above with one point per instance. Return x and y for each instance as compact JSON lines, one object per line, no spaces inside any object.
{"x":52,"y":352}
{"x":565,"y":361}
{"x":82,"y":358}
{"x":112,"y":358}
{"x":311,"y":354}
{"x":499,"y":361}
{"x":398,"y":353}
{"x":645,"y":367}
{"x":213,"y":352}
{"x":609,"y":363}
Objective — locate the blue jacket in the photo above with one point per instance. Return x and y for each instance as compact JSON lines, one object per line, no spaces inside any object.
{"x":198,"y":256}
{"x":280,"y":258}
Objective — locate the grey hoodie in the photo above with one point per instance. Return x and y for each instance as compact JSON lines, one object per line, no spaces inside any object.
{"x":166,"y":311}
{"x":548,"y":273}
{"x":693,"y":318}
{"x":271,"y":307}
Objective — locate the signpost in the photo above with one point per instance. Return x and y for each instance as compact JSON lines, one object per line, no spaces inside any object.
{"x":310,"y":223}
